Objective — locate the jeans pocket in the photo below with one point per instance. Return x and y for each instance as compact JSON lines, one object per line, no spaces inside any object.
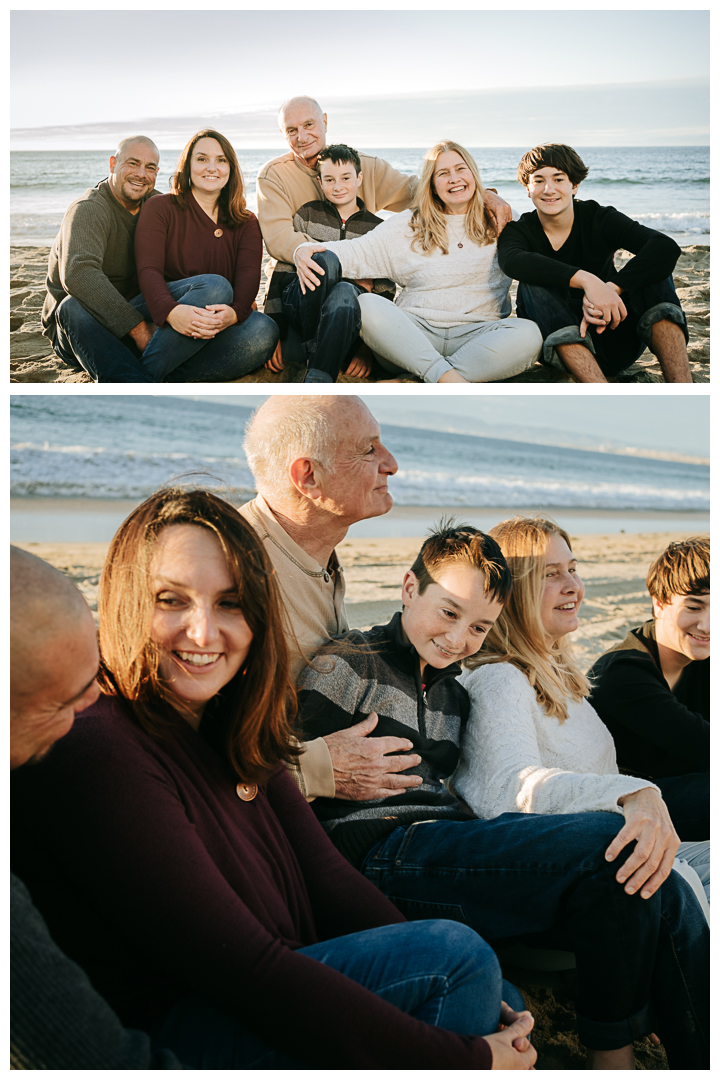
{"x":428,"y":909}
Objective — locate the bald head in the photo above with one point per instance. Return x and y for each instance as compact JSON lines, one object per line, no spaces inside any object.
{"x":125,"y":146}
{"x":303,"y":123}
{"x":53,"y":655}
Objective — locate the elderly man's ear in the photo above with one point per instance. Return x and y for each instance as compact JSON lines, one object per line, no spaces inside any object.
{"x":306,"y":478}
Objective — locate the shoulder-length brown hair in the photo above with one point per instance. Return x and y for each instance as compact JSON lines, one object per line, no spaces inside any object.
{"x":518,"y":636}
{"x":255,"y":710}
{"x":428,"y":216}
{"x":232,"y":206}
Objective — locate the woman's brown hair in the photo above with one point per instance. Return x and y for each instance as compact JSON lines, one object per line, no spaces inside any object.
{"x":254,"y":712}
{"x":232,"y":207}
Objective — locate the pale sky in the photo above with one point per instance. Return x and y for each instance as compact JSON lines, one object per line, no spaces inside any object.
{"x":118,"y":66}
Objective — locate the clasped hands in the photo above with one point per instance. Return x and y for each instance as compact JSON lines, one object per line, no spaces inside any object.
{"x":204,"y":322}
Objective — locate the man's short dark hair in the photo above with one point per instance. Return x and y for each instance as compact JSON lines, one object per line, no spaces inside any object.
{"x":340,"y":154}
{"x":552,"y":156}
{"x":450,"y":543}
{"x":683,"y":569}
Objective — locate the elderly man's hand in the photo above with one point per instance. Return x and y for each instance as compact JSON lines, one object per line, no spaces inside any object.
{"x":648,"y":821}
{"x":361,"y":766}
{"x":498,"y":209}
{"x":306,"y":268}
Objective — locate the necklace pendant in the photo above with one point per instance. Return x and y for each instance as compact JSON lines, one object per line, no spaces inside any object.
{"x":459,"y":245}
{"x":218,"y":232}
{"x":246,"y":792}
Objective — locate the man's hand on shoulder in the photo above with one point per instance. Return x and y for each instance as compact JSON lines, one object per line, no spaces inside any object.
{"x":361,"y":766}
{"x":498,"y":209}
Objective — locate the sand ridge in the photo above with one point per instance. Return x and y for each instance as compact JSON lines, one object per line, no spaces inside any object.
{"x":33,"y":360}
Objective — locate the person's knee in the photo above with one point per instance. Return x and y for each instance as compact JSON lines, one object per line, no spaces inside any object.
{"x":373,"y":309}
{"x":330,"y":263}
{"x":528,"y":341}
{"x":216,"y":289}
{"x":265,"y":331}
{"x":71,"y":315}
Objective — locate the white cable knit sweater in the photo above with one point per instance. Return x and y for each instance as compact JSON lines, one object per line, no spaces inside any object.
{"x":464,"y":286}
{"x":514,"y":757}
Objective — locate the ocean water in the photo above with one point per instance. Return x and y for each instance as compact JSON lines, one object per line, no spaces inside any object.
{"x":665,"y":188}
{"x":122,"y":447}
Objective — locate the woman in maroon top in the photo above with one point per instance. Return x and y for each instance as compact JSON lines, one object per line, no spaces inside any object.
{"x":175,"y":859}
{"x":198,"y":252}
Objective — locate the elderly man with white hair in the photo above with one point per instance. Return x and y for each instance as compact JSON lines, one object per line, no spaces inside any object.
{"x":288,"y":182}
{"x":319,"y":466}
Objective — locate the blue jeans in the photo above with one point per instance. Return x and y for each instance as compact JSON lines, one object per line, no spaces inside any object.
{"x":328,"y":319}
{"x":688,"y":799}
{"x":169,"y":356}
{"x":642,"y":965}
{"x":437,"y":971}
{"x":558,"y":312}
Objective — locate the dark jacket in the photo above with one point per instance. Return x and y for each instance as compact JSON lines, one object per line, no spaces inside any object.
{"x":379,"y":671}
{"x":658,"y":731}
{"x":526,"y":254}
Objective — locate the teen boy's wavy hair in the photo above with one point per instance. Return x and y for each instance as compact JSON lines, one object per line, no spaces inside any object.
{"x":683,"y":569}
{"x":232,"y":206}
{"x":552,"y":156}
{"x":518,"y":636}
{"x":252,"y":715}
{"x":428,"y":217}
{"x":450,"y":543}
{"x":340,"y":154}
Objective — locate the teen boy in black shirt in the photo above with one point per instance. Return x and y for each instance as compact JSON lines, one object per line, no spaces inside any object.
{"x":595,"y":320}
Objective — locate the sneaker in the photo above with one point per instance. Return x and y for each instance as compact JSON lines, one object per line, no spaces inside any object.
{"x":314,"y":374}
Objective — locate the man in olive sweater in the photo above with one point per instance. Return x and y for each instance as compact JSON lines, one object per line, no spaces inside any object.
{"x":57,"y":1019}
{"x":91,"y":272}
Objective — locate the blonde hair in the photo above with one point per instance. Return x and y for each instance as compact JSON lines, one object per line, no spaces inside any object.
{"x":428,"y":216}
{"x":518,"y":637}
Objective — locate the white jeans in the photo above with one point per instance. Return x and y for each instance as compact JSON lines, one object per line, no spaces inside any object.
{"x":480,"y":352}
{"x":693,"y":863}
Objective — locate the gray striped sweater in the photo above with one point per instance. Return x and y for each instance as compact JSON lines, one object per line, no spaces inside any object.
{"x":378,"y":671}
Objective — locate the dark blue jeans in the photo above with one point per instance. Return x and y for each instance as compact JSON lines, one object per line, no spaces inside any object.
{"x":437,"y":971}
{"x":169,"y":356}
{"x":328,"y":319}
{"x":558,"y":313}
{"x":642,"y":965}
{"x":688,"y":800}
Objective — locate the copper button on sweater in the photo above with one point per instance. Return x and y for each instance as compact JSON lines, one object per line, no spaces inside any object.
{"x":218,"y":232}
{"x":246,"y":792}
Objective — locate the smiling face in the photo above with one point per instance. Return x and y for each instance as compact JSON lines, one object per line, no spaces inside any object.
{"x":551,"y":191}
{"x":63,"y":684}
{"x":197,"y":622}
{"x":563,"y":592}
{"x":453,"y":181}
{"x":340,"y":183}
{"x":304,"y":128}
{"x":209,"y":167}
{"x":682,"y":624}
{"x":451,"y":619}
{"x":133,"y":174}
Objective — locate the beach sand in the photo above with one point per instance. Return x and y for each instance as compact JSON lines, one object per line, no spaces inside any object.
{"x":613,"y":568}
{"x":33,"y":360}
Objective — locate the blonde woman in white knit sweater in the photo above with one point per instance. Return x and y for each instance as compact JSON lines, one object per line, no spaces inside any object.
{"x":450,"y":321}
{"x":533,"y":742}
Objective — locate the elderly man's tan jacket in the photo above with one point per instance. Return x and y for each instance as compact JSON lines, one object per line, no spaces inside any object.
{"x":285,"y":184}
{"x":313,"y":596}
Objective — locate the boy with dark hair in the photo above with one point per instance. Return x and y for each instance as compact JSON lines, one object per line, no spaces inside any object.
{"x":652,"y":690}
{"x":328,"y":319}
{"x":595,"y":320}
{"x":544,"y":877}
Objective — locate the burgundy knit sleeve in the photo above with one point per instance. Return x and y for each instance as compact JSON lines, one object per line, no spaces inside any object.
{"x":138,"y":859}
{"x":151,"y":239}
{"x":248,"y":263}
